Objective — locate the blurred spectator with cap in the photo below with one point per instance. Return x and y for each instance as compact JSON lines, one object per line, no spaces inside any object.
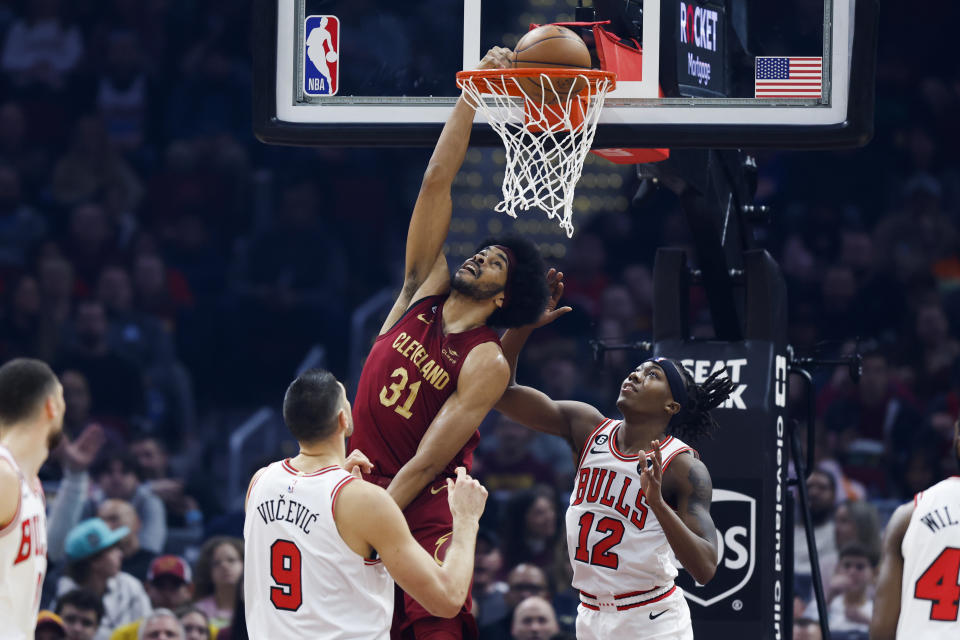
{"x":49,"y":627}
{"x":93,"y":562}
{"x":169,"y":584}
{"x":120,"y":513}
{"x":81,"y":611}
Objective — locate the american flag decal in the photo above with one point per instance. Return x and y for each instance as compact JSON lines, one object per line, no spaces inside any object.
{"x":788,"y":77}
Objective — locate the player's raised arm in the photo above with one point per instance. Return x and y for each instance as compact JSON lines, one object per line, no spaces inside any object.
{"x":482,"y":381}
{"x":425,"y":269}
{"x":690,"y":529}
{"x":572,"y":421}
{"x":441,"y":589}
{"x":886,"y":604}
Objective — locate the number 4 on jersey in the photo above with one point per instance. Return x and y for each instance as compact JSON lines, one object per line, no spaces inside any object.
{"x":941,"y":584}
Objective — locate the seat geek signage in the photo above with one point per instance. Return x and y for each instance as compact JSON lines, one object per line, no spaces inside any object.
{"x":701,"y":46}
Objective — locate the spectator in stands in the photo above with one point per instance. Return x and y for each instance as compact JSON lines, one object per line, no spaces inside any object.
{"x":42,"y":49}
{"x":57,"y":284}
{"x":875,"y":416}
{"x":81,"y":611}
{"x":510,"y":466}
{"x":137,"y":336}
{"x":20,"y":325}
{"x":169,"y":586}
{"x":489,"y":604}
{"x":120,"y":513}
{"x":162,"y":624}
{"x":116,"y":384}
{"x":90,"y":243}
{"x":49,"y":626}
{"x":219,"y":569}
{"x":196,"y":626}
{"x":534,"y":619}
{"x":94,"y":559}
{"x":123,"y":95}
{"x":75,"y":455}
{"x":857,"y":522}
{"x":821,"y":493}
{"x":932,"y":355}
{"x":21,"y":228}
{"x":185,"y":512}
{"x":850,"y":592}
{"x":524,"y":581}
{"x":531,"y":527}
{"x":117,"y":475}
{"x":806,"y":629}
{"x":91,"y":166}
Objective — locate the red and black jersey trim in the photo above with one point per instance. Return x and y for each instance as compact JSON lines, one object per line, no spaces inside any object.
{"x":407,"y":312}
{"x":588,"y":442}
{"x":289,"y":468}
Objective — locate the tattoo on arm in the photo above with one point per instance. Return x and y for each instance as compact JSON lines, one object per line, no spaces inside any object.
{"x":698,"y":503}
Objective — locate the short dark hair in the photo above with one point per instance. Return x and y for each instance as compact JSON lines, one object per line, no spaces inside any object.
{"x":82,"y":599}
{"x":527,"y":292}
{"x":311,"y":404}
{"x":126,"y":459}
{"x":701,"y":398}
{"x":857,"y":550}
{"x":24,"y":384}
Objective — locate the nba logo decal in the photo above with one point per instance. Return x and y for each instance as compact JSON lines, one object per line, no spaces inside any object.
{"x":321,"y":55}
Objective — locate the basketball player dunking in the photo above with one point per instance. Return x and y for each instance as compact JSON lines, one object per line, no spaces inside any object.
{"x":311,"y":528}
{"x":641,"y":495}
{"x":437,"y":368}
{"x":918,"y":591}
{"x":31,"y":423}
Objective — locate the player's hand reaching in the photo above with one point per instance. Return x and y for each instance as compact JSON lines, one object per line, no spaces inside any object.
{"x":357,"y":463}
{"x":497,"y":58}
{"x":551,"y":312}
{"x":466,"y":496}
{"x":651,"y":479}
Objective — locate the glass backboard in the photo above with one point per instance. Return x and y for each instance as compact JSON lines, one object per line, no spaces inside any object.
{"x":713,"y":73}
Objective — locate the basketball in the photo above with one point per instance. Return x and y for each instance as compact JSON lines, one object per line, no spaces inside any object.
{"x":551,"y":47}
{"x":331,"y":56}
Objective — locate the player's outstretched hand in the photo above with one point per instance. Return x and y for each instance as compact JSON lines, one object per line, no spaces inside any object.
{"x":551,"y":312}
{"x":497,"y":58}
{"x":357,"y":463}
{"x":466,"y":496}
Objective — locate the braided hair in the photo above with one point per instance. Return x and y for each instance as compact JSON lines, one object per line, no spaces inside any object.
{"x":701,"y":398}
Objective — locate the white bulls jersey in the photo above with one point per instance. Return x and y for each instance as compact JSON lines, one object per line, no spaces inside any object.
{"x":301,"y":580}
{"x":617,"y":547}
{"x":23,"y":558}
{"x":931,"y":565}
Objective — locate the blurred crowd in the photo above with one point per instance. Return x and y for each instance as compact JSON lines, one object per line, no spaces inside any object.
{"x":172,"y":269}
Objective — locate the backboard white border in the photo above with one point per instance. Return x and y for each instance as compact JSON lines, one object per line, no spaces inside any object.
{"x":633,"y":103}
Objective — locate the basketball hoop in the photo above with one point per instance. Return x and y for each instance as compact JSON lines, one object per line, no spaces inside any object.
{"x":547,"y":120}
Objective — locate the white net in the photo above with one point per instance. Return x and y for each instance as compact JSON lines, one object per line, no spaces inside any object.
{"x":547,"y":135}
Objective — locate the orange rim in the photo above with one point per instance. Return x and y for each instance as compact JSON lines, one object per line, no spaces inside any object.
{"x":593,"y":76}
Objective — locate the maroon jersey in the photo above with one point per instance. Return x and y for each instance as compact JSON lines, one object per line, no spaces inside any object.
{"x":411,"y":371}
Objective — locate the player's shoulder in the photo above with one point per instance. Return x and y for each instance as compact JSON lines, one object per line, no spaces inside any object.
{"x":358,"y":498}
{"x":9,"y":475}
{"x":487,"y":354}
